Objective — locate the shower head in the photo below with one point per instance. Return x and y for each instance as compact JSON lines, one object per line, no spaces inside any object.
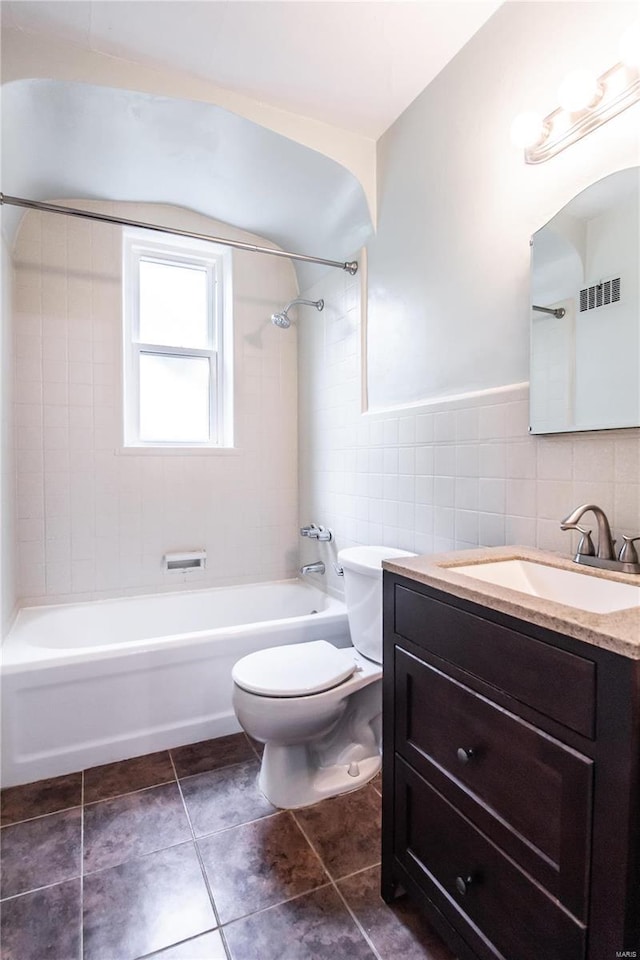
{"x":282,"y":319}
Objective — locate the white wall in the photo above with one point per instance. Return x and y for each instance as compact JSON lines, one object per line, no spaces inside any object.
{"x":448,"y":309}
{"x":448,"y":314}
{"x":93,"y":521}
{"x":7,"y":452}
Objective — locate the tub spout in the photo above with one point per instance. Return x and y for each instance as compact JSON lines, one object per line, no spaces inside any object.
{"x":312,"y":568}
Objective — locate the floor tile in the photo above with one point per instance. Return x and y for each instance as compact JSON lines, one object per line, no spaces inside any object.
{"x":398,"y":931}
{"x":377,"y":782}
{"x":131,"y":826}
{"x":207,"y":947}
{"x":345,"y":830}
{"x":125,"y":776}
{"x":44,"y":925}
{"x":40,"y":852}
{"x":225,"y":798}
{"x":145,"y":905}
{"x":259,"y":864}
{"x":40,"y":798}
{"x":212,"y":754}
{"x":312,"y":927}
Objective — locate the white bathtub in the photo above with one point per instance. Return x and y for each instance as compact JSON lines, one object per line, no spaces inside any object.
{"x":89,"y":683}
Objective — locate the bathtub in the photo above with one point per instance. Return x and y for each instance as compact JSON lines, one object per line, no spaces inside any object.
{"x":89,"y":683}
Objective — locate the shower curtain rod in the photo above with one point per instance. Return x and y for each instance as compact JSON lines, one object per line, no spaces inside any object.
{"x":558,"y":313}
{"x":350,"y":266}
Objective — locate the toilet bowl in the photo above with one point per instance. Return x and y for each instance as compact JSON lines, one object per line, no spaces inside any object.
{"x":317,"y":708}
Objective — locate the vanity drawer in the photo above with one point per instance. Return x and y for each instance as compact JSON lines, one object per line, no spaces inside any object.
{"x":536,"y":789}
{"x":556,"y":683}
{"x":470,"y":880}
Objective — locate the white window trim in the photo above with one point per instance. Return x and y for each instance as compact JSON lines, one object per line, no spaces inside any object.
{"x":137,"y":245}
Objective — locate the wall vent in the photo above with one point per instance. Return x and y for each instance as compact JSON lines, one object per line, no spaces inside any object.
{"x":600,"y":295}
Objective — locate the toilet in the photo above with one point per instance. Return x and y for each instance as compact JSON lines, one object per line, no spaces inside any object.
{"x":316,"y":707}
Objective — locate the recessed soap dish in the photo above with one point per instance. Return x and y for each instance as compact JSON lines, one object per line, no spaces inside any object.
{"x":190,"y":560}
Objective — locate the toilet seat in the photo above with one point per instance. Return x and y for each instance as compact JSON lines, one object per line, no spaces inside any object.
{"x":294,"y":670}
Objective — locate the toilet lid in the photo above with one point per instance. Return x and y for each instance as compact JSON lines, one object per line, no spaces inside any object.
{"x":295,"y":670}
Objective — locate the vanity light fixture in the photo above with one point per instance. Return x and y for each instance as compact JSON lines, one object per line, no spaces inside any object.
{"x":586,"y":102}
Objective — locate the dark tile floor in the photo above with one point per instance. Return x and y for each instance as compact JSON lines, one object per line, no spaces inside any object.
{"x":177,"y":856}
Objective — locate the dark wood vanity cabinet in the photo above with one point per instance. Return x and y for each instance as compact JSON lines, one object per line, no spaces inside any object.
{"x":511,"y":765}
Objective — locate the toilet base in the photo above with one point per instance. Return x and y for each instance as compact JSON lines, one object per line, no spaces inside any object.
{"x":345,"y":758}
{"x":287,"y":782}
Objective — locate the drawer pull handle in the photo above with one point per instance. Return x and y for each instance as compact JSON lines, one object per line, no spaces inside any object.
{"x":464,"y":756}
{"x":463,"y":884}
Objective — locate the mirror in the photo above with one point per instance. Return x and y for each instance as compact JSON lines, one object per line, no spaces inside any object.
{"x":585,"y":311}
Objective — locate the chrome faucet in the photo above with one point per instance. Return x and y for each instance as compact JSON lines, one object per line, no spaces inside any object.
{"x":605,"y":543}
{"x":312,"y":568}
{"x":604,"y":556}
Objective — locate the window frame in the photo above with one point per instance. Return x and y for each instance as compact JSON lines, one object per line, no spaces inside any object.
{"x":138,"y":245}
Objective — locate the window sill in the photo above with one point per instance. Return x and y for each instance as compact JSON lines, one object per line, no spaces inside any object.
{"x":177,"y":452}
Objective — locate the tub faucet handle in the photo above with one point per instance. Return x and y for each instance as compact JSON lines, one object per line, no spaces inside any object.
{"x":310,"y":531}
{"x":316,"y":531}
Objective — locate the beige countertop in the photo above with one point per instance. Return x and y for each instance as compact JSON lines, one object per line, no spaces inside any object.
{"x":618,"y":631}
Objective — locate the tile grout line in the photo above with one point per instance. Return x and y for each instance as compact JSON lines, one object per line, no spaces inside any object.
{"x":280,"y":903}
{"x":179,"y":943}
{"x":137,"y":857}
{"x":226,"y":766}
{"x":47,"y":886}
{"x":355,"y":919}
{"x":16,"y":823}
{"x":250,"y":742}
{"x":333,"y":883}
{"x":127,"y":793}
{"x":198,"y":855}
{"x":246,"y":823}
{"x":304,"y":834}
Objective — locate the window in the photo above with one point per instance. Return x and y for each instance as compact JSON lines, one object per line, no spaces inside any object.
{"x":177,"y":343}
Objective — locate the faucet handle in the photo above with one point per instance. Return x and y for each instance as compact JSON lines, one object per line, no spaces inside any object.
{"x":311,"y":530}
{"x":628,"y":553}
{"x":323,"y":534}
{"x":585,"y":544}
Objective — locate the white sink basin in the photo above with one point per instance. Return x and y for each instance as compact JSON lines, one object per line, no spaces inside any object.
{"x":574,"y":589}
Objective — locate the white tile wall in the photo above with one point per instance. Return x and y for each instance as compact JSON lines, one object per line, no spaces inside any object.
{"x":94,"y":521}
{"x":442,"y":476}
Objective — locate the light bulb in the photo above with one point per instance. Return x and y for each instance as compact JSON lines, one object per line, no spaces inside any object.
{"x":579,"y":89}
{"x":629,"y":46}
{"x":527,"y":129}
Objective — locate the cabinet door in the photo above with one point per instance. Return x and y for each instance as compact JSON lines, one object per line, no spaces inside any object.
{"x":528,"y":790}
{"x":471,"y":881}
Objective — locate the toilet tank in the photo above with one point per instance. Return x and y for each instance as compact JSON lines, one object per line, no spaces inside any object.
{"x":363,"y":595}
